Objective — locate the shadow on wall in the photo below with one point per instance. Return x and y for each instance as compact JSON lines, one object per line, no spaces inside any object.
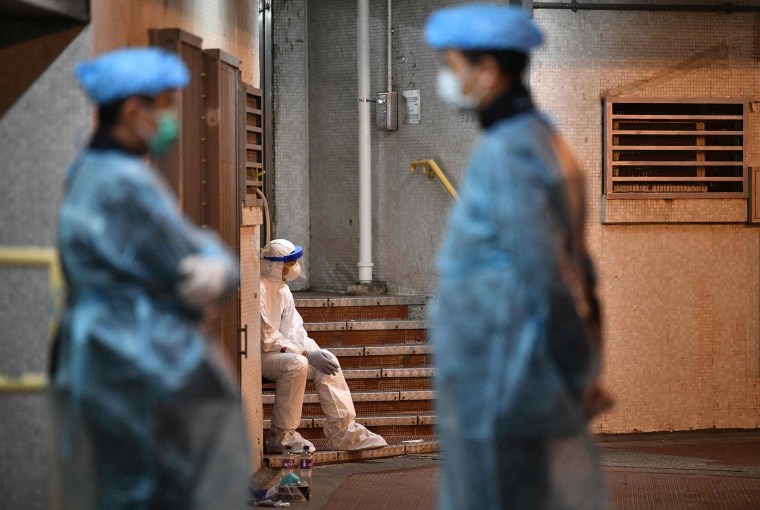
{"x":27,"y":47}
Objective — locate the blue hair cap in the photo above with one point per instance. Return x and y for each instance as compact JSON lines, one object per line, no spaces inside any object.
{"x":483,"y":27}
{"x":131,"y":71}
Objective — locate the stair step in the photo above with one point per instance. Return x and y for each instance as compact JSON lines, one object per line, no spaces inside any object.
{"x":407,"y":372}
{"x":407,"y":431}
{"x":416,"y":395}
{"x":377,"y":325}
{"x":390,"y":356}
{"x":347,"y":351}
{"x":377,"y":373}
{"x":386,"y":350}
{"x":368,"y":421}
{"x":392,"y":450}
{"x":366,"y":396}
{"x":328,"y":300}
{"x":364,"y":373}
{"x":429,"y":419}
{"x":375,"y":384}
{"x":382,"y":350}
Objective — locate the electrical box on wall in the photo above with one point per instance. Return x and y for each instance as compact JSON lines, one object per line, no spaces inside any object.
{"x":387,"y":110}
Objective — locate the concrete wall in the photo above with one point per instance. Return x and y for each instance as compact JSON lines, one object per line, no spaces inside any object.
{"x":40,"y":135}
{"x":291,"y":125}
{"x":409,"y":210}
{"x":681,"y":300}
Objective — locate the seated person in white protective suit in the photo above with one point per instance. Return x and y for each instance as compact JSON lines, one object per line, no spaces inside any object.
{"x":289,"y":357}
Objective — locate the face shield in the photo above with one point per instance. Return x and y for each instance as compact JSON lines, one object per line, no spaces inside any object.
{"x":280,"y":261}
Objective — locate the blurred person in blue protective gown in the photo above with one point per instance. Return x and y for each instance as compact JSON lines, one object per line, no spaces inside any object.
{"x":289,"y":357}
{"x":147,"y":414}
{"x":515,"y":322}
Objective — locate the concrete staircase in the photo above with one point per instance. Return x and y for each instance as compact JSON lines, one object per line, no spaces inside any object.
{"x":381,"y":344}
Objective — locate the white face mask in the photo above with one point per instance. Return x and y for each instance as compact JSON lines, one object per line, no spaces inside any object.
{"x":293,"y":272}
{"x":449,"y":88}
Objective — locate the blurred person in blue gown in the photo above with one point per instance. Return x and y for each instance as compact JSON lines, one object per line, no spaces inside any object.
{"x":515,"y":322}
{"x":146,"y":412}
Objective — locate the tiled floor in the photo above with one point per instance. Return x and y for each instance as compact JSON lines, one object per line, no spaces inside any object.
{"x":676,"y":471}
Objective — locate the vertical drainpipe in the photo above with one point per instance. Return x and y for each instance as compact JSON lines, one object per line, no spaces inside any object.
{"x":365,"y":150}
{"x":390,"y":39}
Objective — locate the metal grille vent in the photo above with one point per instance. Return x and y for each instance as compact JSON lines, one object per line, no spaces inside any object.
{"x":691,"y":148}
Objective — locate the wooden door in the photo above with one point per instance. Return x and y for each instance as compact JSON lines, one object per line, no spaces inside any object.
{"x":181,"y":167}
{"x":223,"y":161}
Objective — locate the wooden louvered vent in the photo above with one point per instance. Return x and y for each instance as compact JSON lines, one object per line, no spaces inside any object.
{"x":691,"y":148}
{"x":254,"y":146}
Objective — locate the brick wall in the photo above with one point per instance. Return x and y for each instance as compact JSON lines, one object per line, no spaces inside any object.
{"x":681,"y":301}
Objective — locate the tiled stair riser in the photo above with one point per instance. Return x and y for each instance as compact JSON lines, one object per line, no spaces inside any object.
{"x":338,"y":338}
{"x":392,"y":361}
{"x":412,"y":407}
{"x":375,"y":384}
{"x":354,"y":313}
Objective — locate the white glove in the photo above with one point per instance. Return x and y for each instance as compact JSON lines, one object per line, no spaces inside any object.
{"x":324,"y":361}
{"x":204,"y":280}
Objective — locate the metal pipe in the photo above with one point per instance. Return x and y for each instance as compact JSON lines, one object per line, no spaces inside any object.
{"x":726,"y":7}
{"x":365,"y":150}
{"x":266,"y":71}
{"x":390,"y":34}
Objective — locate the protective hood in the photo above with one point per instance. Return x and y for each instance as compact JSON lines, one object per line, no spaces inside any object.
{"x":274,"y":257}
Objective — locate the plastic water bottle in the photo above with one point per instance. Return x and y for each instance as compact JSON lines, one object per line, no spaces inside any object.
{"x":288,"y":462}
{"x":306,"y":465}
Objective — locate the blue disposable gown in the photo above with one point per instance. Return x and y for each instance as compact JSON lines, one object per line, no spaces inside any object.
{"x":512,"y":326}
{"x":147,"y":415}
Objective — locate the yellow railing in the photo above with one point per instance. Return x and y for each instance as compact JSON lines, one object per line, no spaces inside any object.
{"x":25,"y":383}
{"x":31,"y":256}
{"x":431,"y":169}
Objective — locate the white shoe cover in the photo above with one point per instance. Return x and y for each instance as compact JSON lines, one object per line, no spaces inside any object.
{"x":354,"y":437}
{"x":278,"y":442}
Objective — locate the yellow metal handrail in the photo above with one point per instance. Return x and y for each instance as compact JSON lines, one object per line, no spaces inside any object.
{"x":431,"y":169}
{"x":23,"y":384}
{"x":32,"y":256}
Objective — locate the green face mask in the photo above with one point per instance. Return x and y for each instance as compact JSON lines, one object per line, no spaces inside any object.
{"x":167,"y":132}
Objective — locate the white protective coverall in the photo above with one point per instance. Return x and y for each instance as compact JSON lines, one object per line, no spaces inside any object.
{"x":285,"y":353}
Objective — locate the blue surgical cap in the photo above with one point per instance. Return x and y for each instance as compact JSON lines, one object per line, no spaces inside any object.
{"x":483,"y":27}
{"x":131,"y":71}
